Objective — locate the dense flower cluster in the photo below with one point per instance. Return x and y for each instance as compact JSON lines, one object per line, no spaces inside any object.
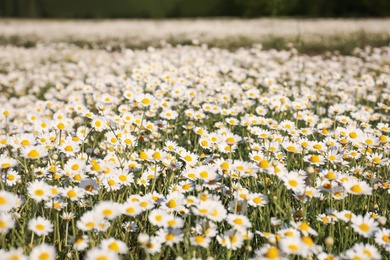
{"x":215,"y":31}
{"x":193,"y":152}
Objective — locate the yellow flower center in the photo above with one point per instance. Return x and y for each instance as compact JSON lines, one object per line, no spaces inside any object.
{"x":172,"y":204}
{"x":264,"y":164}
{"x":71,"y":194}
{"x":272,"y":253}
{"x":353,"y":135}
{"x":169,"y":237}
{"x":257,"y":200}
{"x":40,"y":227}
{"x":291,"y":149}
{"x":114,"y":246}
{"x":364,"y":227}
{"x":44,"y":256}
{"x":25,"y":142}
{"x":199,"y":239}
{"x":2,"y":224}
{"x":238,"y":221}
{"x":204,"y":174}
{"x":386,"y":239}
{"x":33,"y":154}
{"x":143,"y":156}
{"x":107,"y":212}
{"x":61,"y":126}
{"x":293,"y":248}
{"x":314,"y":159}
{"x":356,"y":188}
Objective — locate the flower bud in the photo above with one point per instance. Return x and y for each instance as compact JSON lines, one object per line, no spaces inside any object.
{"x":143,"y":238}
{"x":382,"y":221}
{"x":329,"y":241}
{"x":272,"y":240}
{"x":310,"y":170}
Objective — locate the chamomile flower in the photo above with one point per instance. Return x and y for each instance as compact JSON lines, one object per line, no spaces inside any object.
{"x":40,"y":226}
{"x":43,"y":251}
{"x":257,"y":200}
{"x":7,"y":222}
{"x":7,"y":162}
{"x":231,"y":239}
{"x":38,"y":190}
{"x":365,"y":226}
{"x":304,"y":228}
{"x":292,"y":246}
{"x":34,"y":152}
{"x":107,"y":209}
{"x":81,"y":243}
{"x":130,"y":226}
{"x":99,"y":253}
{"x":238,"y":222}
{"x":170,"y":236}
{"x":200,"y":240}
{"x":14,"y":254}
{"x":357,"y":187}
{"x":114,"y":245}
{"x":382,"y":238}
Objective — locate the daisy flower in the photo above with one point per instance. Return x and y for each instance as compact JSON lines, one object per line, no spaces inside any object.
{"x":304,"y":228}
{"x":293,"y":246}
{"x":130,"y":226}
{"x":40,"y":226}
{"x":238,"y":222}
{"x":257,"y":200}
{"x":107,"y":209}
{"x":291,"y":147}
{"x":81,"y":243}
{"x":73,"y":193}
{"x":114,"y":245}
{"x":7,"y":162}
{"x":14,"y":254}
{"x":365,"y":226}
{"x":362,"y":251}
{"x":39,"y":190}
{"x":99,"y":253}
{"x":43,"y":251}
{"x":382,"y":238}
{"x":293,"y":181}
{"x":170,"y":236}
{"x":131,"y":208}
{"x":34,"y":152}
{"x":314,"y":159}
{"x":231,"y":239}
{"x":200,"y":240}
{"x":356,"y":187}
{"x":173,"y":222}
{"x":377,"y":159}
{"x":88,"y":221}
{"x":11,"y":177}
{"x":7,"y":222}
{"x":269,"y":252}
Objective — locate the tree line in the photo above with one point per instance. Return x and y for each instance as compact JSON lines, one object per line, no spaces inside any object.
{"x":192,"y":8}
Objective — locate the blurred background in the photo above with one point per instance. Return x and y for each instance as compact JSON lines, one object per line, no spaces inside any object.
{"x":157,"y":9}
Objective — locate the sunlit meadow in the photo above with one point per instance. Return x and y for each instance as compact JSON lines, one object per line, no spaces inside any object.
{"x":192,"y":152}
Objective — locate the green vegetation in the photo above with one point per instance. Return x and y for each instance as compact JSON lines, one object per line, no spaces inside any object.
{"x":190,"y":8}
{"x":344,"y":44}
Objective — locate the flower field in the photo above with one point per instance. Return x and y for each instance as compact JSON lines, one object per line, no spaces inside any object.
{"x":191,"y":152}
